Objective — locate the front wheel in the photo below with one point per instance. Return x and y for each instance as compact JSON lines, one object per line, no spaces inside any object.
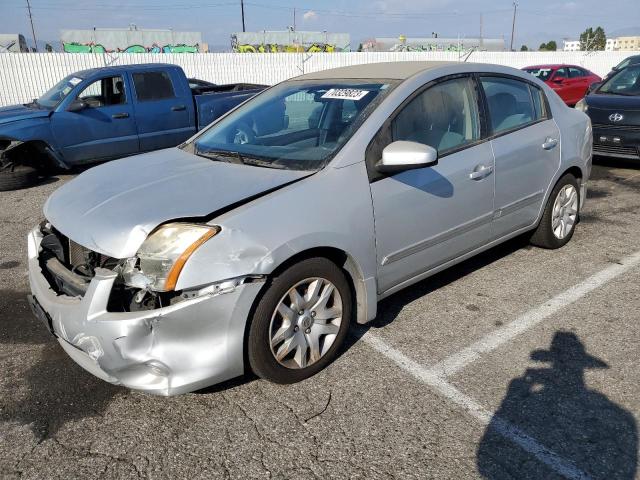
{"x":560,"y":215}
{"x":300,"y":321}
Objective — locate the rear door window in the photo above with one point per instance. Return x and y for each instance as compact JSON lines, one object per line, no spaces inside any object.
{"x":153,"y":86}
{"x":576,"y":72}
{"x":510,"y":103}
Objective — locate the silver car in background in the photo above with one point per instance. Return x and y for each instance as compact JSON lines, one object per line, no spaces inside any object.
{"x":257,"y":243}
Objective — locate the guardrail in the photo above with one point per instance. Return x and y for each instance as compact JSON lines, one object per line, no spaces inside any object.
{"x":25,"y":76}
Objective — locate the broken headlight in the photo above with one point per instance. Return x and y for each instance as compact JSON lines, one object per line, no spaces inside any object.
{"x":160,"y":259}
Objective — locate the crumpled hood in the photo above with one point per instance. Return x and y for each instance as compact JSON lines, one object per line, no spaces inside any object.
{"x":112,"y":208}
{"x":14,"y":113}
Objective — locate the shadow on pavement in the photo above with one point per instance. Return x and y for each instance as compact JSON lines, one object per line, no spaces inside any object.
{"x":554,"y":406}
{"x":44,"y":388}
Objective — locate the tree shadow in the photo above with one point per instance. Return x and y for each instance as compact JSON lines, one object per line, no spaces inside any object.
{"x":554,"y":406}
{"x":45,"y":388}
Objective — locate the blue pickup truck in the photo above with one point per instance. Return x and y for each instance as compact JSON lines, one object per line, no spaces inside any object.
{"x":105,"y":113}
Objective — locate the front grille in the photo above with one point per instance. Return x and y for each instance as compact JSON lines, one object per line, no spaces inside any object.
{"x":627,"y":128}
{"x":68,"y":265}
{"x":77,"y":254}
{"x":615,"y":150}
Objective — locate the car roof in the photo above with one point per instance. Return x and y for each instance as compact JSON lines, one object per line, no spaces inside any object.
{"x":390,"y":70}
{"x":120,"y":68}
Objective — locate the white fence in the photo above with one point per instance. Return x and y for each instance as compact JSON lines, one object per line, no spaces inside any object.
{"x":24,"y":77}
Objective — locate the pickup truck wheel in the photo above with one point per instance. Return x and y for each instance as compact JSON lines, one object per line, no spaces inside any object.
{"x":560,"y":215}
{"x":14,"y":177}
{"x":300,"y":322}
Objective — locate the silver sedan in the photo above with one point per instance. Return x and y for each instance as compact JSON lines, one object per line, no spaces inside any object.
{"x":255,"y":244}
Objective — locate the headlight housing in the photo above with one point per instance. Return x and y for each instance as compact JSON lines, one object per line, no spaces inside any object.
{"x":582,"y":106}
{"x":164,"y":253}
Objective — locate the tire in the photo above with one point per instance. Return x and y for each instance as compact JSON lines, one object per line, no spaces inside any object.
{"x":547,"y":234}
{"x":17,"y":176}
{"x":267,"y":322}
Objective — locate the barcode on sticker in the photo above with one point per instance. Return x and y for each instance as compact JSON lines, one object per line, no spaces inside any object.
{"x":345,"y":93}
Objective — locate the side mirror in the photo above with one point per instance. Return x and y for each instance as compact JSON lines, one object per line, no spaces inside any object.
{"x":594,"y":86}
{"x":77,"y":105}
{"x":401,"y":155}
{"x":558,"y":80}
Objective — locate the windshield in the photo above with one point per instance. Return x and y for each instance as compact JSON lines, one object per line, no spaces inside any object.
{"x":625,"y":82}
{"x":543,"y":73}
{"x":295,"y":125}
{"x":59,"y":92}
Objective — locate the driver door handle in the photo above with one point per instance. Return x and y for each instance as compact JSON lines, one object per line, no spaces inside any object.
{"x":120,"y":115}
{"x":178,"y":108}
{"x":550,"y":143}
{"x":480,"y":172}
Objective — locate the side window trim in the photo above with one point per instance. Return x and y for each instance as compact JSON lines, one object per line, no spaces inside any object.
{"x":547,"y":110}
{"x":386,"y":131}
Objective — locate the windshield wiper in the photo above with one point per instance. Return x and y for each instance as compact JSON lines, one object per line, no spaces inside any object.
{"x":229,"y":156}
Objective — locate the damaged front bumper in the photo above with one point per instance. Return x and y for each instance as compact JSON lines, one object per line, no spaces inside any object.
{"x":165,"y":351}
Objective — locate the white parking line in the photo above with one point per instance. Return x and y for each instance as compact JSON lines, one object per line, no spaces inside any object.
{"x":512,"y":433}
{"x":531,"y":318}
{"x":435,"y":376}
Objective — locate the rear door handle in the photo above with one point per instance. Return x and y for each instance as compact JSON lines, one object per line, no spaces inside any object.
{"x":120,"y":115}
{"x":550,"y":143}
{"x":178,"y":108}
{"x":480,"y":172}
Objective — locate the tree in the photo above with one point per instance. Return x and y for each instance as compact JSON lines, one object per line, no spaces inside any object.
{"x":524,"y":48}
{"x":550,"y":46}
{"x":592,"y":39}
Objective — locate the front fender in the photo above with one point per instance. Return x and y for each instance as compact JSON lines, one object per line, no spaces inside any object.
{"x":33,"y":130}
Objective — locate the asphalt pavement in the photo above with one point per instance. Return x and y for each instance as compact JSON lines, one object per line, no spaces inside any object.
{"x":521,"y":363}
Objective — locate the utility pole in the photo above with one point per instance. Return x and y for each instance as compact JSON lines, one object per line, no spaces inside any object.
{"x":294,"y":19}
{"x":241,"y":10}
{"x":513,"y":25}
{"x":33,"y":30}
{"x":481,"y":42}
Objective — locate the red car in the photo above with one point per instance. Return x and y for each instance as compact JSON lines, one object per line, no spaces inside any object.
{"x":569,"y":81}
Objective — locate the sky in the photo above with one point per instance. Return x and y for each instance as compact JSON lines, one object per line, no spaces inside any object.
{"x":537,"y":21}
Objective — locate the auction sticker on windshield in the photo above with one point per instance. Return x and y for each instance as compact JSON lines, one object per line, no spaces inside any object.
{"x":345,"y":94}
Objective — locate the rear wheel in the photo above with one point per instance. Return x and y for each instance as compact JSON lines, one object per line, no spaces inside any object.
{"x":300,"y":322}
{"x":560,"y":215}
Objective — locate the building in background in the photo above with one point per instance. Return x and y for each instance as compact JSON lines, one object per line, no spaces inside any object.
{"x":13,"y":42}
{"x":611,"y":44}
{"x":290,"y":41}
{"x":131,"y":40}
{"x":571,"y":46}
{"x":628,"y":44}
{"x":433,"y":44}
